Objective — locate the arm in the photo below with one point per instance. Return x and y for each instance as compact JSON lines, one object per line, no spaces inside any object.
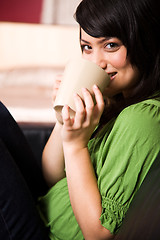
{"x":82,"y":184}
{"x":52,"y":157}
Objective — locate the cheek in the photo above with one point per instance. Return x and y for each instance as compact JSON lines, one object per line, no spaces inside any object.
{"x":86,"y":56}
{"x":118,"y":60}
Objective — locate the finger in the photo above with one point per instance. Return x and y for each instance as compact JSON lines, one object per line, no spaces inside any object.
{"x":99,"y":99}
{"x":57,"y":84}
{"x":80,"y":111}
{"x":58,"y":77}
{"x":57,"y":81}
{"x":89,"y":104}
{"x":55,"y":89}
{"x":66,"y":116}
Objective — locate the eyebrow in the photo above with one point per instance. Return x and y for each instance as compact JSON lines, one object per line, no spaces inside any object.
{"x":99,"y":42}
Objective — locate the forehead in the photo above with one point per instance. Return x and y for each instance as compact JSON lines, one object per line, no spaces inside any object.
{"x":89,"y":39}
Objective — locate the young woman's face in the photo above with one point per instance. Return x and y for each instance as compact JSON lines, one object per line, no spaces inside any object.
{"x":111,"y":55}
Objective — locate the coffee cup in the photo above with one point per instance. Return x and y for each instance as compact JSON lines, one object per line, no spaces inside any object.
{"x":79,"y":73}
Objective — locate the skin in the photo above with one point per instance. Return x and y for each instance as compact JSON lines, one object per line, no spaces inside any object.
{"x":68,"y":142}
{"x":111,"y":55}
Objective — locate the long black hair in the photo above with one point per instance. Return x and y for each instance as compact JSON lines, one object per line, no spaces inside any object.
{"x":137,"y":24}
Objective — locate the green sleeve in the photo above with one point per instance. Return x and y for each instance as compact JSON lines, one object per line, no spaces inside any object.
{"x":122,"y":158}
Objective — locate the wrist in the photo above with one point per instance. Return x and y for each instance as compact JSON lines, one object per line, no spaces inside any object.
{"x":73,"y":148}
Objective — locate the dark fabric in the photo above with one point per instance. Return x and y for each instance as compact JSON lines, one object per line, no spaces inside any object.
{"x":19,"y":219}
{"x":143,"y":218}
{"x":17,"y":145}
{"x":37,"y":137}
{"x":21,"y":182}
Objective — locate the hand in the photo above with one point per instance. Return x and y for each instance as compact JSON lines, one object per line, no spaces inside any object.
{"x":78,"y":130}
{"x":56,"y":86}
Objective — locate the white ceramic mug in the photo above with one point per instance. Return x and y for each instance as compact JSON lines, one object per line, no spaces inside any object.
{"x":78,"y":74}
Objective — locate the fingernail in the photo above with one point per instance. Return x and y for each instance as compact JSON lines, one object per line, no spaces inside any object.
{"x":84,"y":89}
{"x":95,"y":86}
{"x":75,"y":95}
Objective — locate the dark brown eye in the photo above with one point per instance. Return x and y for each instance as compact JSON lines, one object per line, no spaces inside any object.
{"x":111,"y":45}
{"x":86,"y":47}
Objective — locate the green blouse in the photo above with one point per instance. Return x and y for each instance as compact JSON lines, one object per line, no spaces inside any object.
{"x":122,"y":153}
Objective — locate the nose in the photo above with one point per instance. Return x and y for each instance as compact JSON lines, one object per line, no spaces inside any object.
{"x":99,"y":59}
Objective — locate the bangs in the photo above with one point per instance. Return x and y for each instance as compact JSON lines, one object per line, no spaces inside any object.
{"x":104,"y":22}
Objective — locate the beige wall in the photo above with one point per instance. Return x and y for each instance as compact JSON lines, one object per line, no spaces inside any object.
{"x":32,"y":45}
{"x":59,"y":11}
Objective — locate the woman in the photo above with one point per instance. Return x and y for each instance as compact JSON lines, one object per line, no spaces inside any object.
{"x":104,"y":174}
{"x":94,"y":175}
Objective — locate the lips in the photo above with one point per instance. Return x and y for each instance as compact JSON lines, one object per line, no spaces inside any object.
{"x":112,"y":75}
